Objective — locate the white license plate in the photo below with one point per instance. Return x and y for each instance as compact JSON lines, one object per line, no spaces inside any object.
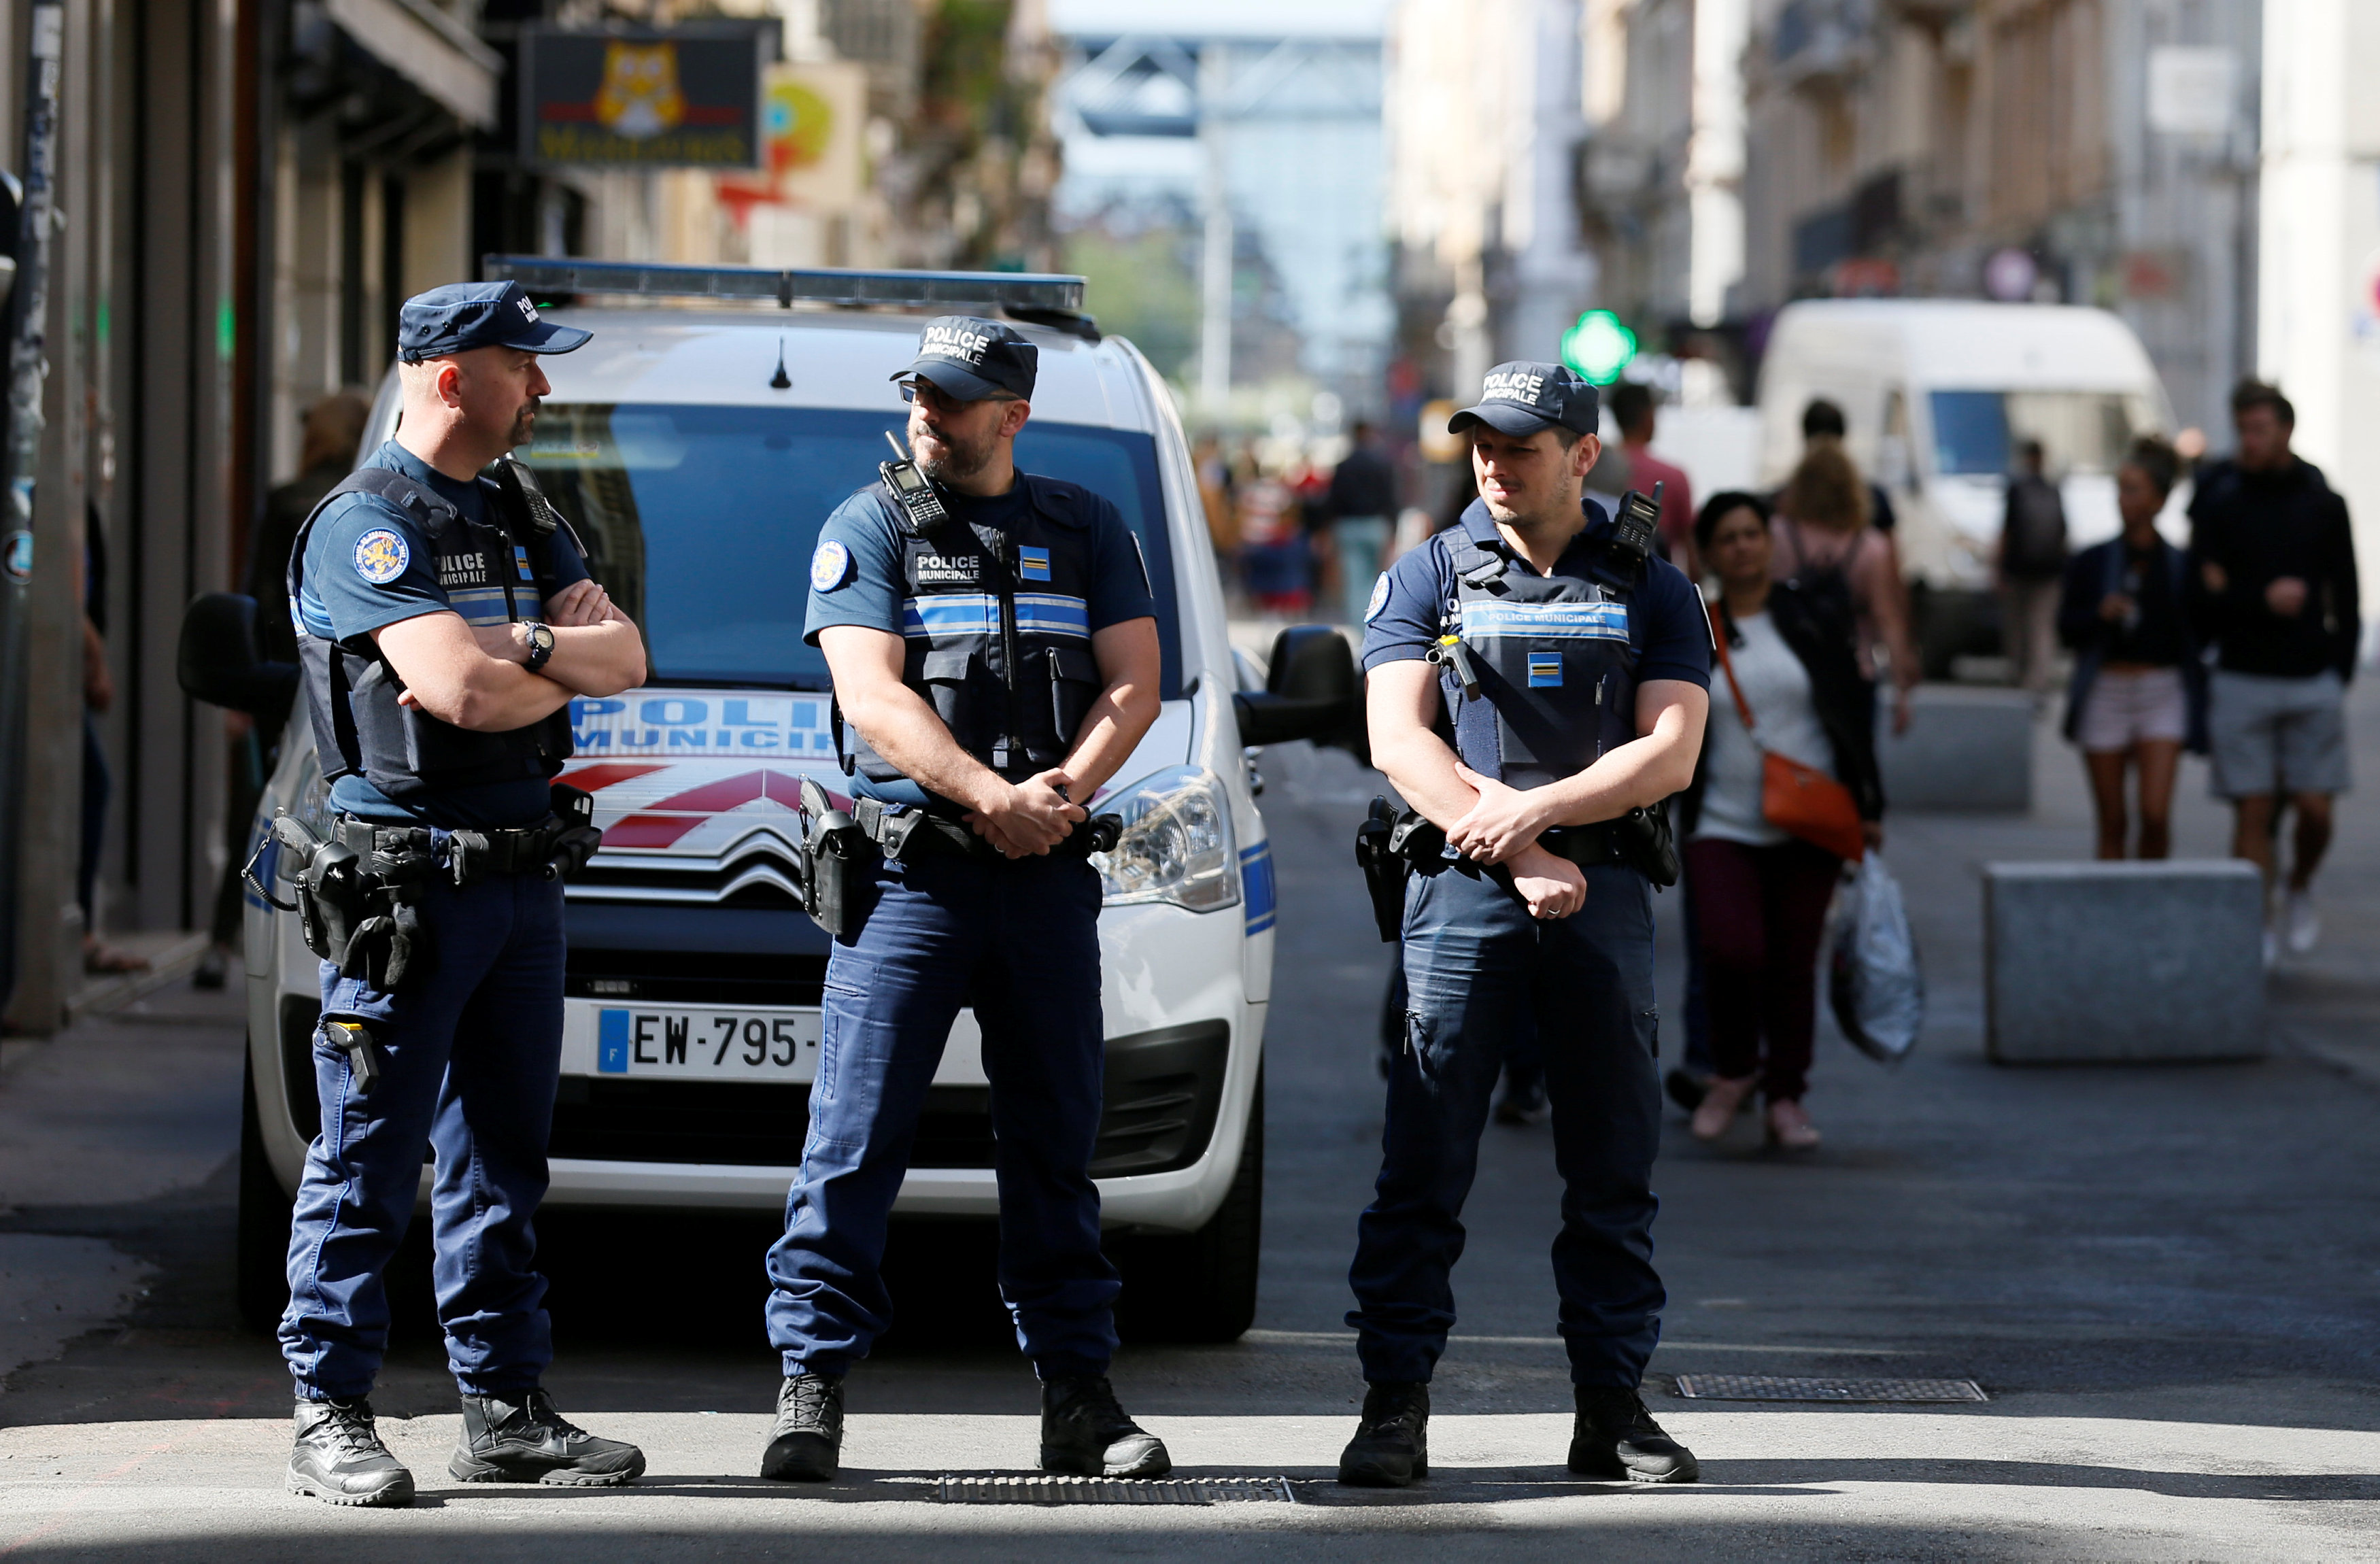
{"x":745,"y":1045}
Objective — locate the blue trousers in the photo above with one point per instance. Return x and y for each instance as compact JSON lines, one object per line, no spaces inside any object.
{"x":1019,"y":941}
{"x":1478,"y":969}
{"x":470,"y":1053}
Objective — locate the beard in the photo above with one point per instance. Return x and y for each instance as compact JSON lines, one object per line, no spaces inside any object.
{"x":952,"y":461}
{"x":524,"y":424}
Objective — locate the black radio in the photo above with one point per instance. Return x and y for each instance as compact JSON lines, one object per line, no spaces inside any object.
{"x":920,"y":504}
{"x":1637,"y":526}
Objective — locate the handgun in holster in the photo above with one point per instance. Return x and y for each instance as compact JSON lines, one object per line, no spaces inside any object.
{"x":1403,"y":841}
{"x":358,"y":911}
{"x":575,"y":840}
{"x":838,"y":866}
{"x":1385,"y":871}
{"x":352,"y":1035}
{"x":1651,"y":846}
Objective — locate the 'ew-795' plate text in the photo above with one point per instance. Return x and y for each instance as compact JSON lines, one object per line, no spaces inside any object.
{"x":765,"y":1045}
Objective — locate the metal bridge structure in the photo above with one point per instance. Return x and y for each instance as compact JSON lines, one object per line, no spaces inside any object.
{"x":1214,"y":90}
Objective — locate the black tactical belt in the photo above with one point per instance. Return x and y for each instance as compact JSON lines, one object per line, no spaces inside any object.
{"x":1587,"y":845}
{"x":471,"y":855}
{"x":904,"y":830}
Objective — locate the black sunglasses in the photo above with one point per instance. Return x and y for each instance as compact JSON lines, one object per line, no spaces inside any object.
{"x":910,"y":390}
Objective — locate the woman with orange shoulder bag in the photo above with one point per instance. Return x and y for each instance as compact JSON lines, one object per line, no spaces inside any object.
{"x":1785,"y":793}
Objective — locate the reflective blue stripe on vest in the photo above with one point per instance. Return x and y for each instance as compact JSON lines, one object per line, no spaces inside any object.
{"x":952,"y":614}
{"x":1049,"y":613}
{"x":1563,"y":621}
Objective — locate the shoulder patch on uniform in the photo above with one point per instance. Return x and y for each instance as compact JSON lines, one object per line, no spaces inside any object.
{"x":382,"y":556}
{"x":1379,"y":598}
{"x":830,"y":567}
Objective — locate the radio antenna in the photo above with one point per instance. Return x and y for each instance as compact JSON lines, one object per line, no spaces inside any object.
{"x":900,"y":452}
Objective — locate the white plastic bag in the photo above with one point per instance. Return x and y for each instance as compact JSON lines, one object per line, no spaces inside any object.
{"x":1876,"y":982}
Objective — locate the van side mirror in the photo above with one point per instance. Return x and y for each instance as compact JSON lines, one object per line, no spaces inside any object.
{"x":1311,"y":692}
{"x":215,"y":659}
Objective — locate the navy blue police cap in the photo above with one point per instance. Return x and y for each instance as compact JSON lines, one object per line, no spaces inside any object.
{"x":1520,"y":398}
{"x":972,"y":358}
{"x":461,"y":316}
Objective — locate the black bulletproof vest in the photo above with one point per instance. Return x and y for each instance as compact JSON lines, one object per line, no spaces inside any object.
{"x":1557,"y":676}
{"x":998,"y":630}
{"x":360,"y":729}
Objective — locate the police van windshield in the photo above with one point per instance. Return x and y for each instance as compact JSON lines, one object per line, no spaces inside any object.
{"x":700,"y":520}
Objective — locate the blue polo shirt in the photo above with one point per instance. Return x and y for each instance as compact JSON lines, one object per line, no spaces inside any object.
{"x":368,"y":566}
{"x":870,"y":591}
{"x":1667,"y":629}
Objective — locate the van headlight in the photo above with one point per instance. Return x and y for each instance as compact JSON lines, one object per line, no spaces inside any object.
{"x":1176,"y":844}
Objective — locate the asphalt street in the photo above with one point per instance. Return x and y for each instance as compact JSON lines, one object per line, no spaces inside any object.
{"x":2166,"y":1279}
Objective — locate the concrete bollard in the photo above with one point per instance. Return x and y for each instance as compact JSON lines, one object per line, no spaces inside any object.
{"x":1965,"y":748}
{"x":2109,"y":961}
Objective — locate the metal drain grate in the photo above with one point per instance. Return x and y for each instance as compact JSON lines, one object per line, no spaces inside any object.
{"x":1773,"y":1387}
{"x":1114,"y":1490}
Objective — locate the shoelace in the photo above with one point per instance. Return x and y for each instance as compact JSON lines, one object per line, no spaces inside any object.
{"x":805,"y":1395}
{"x":1391,"y":1419}
{"x":1096,"y":1403}
{"x":351,"y":1427}
{"x":541,"y":1414}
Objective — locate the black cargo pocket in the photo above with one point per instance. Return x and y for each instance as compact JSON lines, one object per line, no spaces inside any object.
{"x":1074,"y":686}
{"x":945,"y":672}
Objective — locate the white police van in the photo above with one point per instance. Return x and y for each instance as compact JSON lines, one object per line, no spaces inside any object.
{"x":695,"y":450}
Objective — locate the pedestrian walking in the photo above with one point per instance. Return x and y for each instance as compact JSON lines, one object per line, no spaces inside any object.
{"x":1788,"y":657}
{"x":1826,"y":544}
{"x":98,"y":958}
{"x":2032,"y":566}
{"x":2138,"y":696}
{"x":444,"y":624}
{"x":1276,"y":555}
{"x":1362,"y":506}
{"x":2275,"y":592}
{"x":1537,"y":680}
{"x":1634,"y":411}
{"x":968,"y":883}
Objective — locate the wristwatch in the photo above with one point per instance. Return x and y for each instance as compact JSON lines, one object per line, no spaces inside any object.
{"x":540,"y":643}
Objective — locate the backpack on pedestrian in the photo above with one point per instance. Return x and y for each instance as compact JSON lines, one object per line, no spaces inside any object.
{"x":2032,"y":543}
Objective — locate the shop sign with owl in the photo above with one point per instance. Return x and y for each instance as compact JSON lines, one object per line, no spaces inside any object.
{"x":682,"y":99}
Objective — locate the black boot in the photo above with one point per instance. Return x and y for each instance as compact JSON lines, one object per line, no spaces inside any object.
{"x":1086,"y":1434}
{"x":338,"y":1458}
{"x":1616,"y":1437}
{"x":1392,"y":1445}
{"x":806,"y":1442}
{"x":520,"y":1439}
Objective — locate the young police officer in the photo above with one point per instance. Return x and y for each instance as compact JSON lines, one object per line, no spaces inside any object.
{"x":992,"y":638}
{"x":1532,"y":679}
{"x":444,"y":624}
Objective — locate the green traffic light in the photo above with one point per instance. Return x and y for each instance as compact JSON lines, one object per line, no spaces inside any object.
{"x":1598,"y":346}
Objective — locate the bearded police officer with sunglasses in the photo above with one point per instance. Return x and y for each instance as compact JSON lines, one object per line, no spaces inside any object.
{"x":1536,"y":685}
{"x":994,"y":644}
{"x":446,"y":620}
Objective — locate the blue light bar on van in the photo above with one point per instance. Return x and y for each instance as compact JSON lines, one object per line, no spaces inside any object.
{"x":1015,"y":290}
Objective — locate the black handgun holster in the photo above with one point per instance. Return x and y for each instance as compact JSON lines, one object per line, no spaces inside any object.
{"x":838,"y":866}
{"x":358,"y":911}
{"x":1385,"y":869}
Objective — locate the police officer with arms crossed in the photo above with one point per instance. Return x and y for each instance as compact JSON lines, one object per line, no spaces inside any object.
{"x":446,"y":621}
{"x":1532,"y":679}
{"x":993,"y":639}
